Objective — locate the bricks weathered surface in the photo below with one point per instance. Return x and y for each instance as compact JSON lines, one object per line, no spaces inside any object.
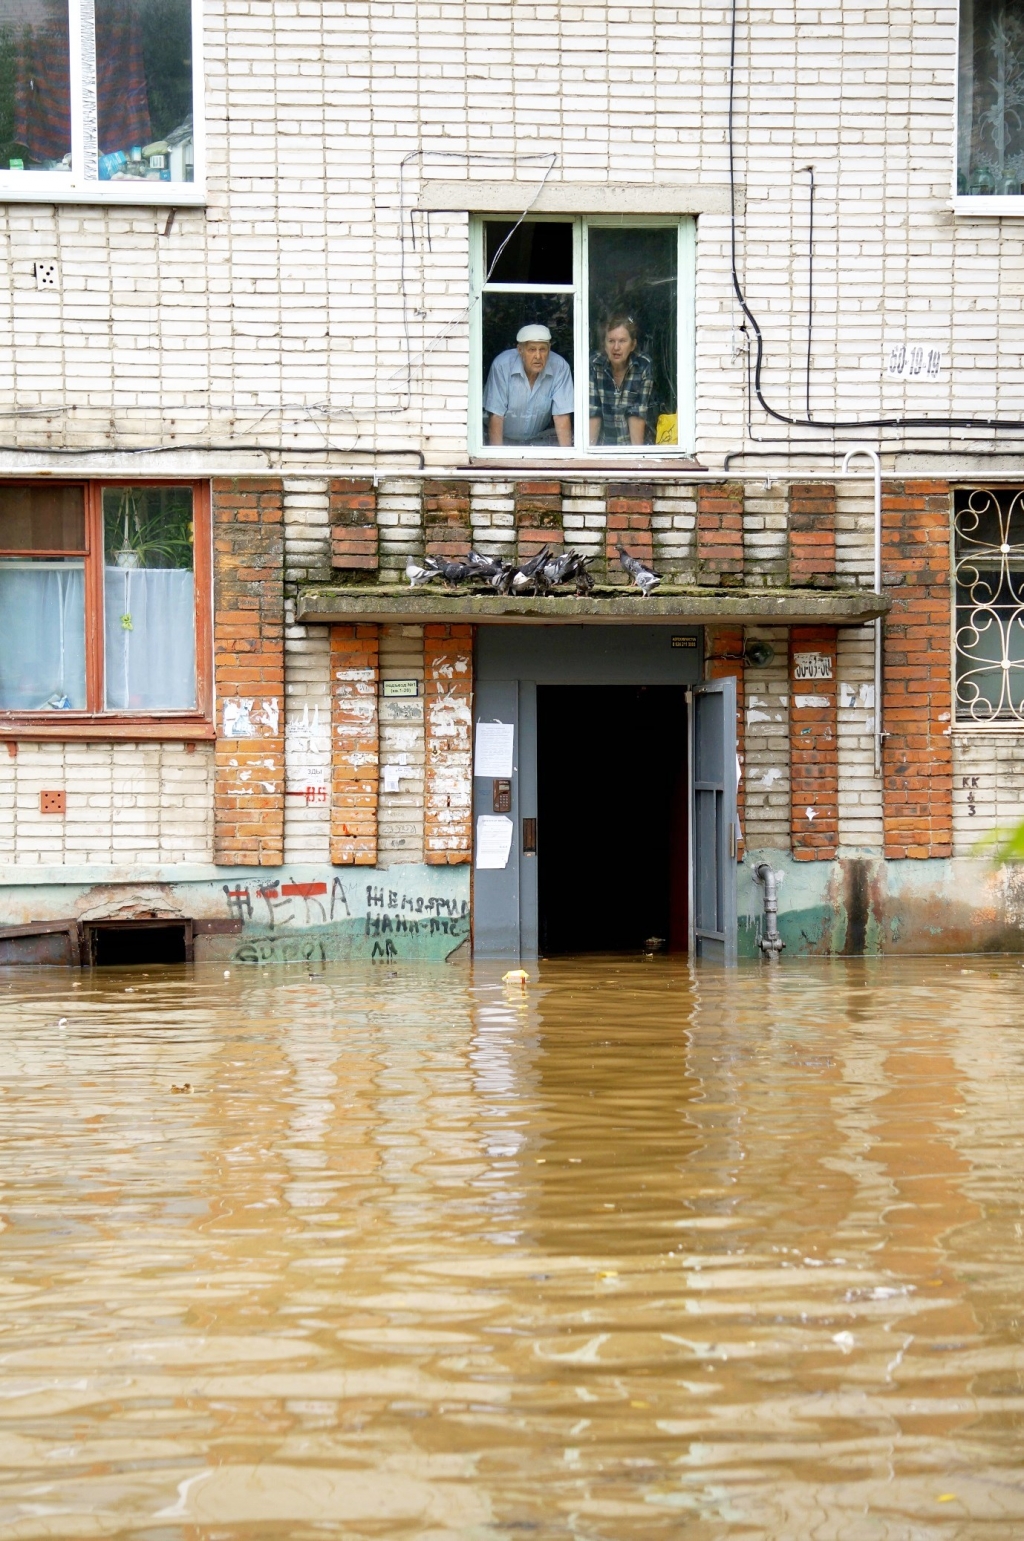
{"x":448,"y":798}
{"x":538,"y":510}
{"x":248,"y":640}
{"x":352,"y":511}
{"x":355,"y":745}
{"x":723,"y":659}
{"x":814,"y":751}
{"x":917,"y":764}
{"x":630,"y":516}
{"x":720,"y":533}
{"x":812,"y":534}
{"x":446,"y":521}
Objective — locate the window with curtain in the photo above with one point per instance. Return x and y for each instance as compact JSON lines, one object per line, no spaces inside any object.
{"x":96,"y":93}
{"x":990,"y":148}
{"x":102,"y":612}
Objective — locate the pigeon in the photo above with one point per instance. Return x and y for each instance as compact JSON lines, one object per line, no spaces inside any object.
{"x":417,"y":575}
{"x":642,"y":576}
{"x":525,"y":576}
{"x":453,"y":573}
{"x":487,"y":568}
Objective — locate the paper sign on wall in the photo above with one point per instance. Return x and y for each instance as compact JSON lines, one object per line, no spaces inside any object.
{"x":493,"y":840}
{"x":812,"y":666}
{"x":494,"y":742}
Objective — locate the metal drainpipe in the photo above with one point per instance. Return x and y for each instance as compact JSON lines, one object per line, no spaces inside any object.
{"x":872,"y":455}
{"x":771,"y":943}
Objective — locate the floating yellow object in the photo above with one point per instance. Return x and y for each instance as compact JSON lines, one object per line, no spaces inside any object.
{"x":516,"y":976}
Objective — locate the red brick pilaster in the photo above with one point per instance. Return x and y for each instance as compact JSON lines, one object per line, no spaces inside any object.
{"x":448,"y":794}
{"x":447,"y":529}
{"x":917,"y":758}
{"x":355,"y":745}
{"x":812,"y":534}
{"x":353,"y":519}
{"x":630,"y":515}
{"x":538,"y":517}
{"x":723,"y":659}
{"x":720,"y":533}
{"x":814,"y":751}
{"x":248,"y":639}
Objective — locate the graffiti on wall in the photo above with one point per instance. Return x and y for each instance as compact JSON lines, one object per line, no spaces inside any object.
{"x":301,"y":919}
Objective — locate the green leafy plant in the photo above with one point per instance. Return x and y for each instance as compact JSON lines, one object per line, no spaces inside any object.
{"x":148,"y":526}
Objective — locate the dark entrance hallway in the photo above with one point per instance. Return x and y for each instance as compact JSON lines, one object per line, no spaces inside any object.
{"x":611,"y":837}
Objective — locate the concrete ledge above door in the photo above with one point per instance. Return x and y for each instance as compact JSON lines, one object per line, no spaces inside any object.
{"x":616,"y":606}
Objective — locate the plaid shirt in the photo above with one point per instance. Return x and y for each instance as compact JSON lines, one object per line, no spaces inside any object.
{"x":613,"y":404}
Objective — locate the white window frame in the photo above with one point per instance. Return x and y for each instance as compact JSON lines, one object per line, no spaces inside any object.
{"x":686,"y":359}
{"x":82,"y":184}
{"x":989,"y":206}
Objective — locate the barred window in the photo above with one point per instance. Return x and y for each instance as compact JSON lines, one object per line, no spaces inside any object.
{"x":988,"y":529}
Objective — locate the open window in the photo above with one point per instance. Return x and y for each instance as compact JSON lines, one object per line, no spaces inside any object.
{"x":104,"y":593}
{"x":990,"y":128}
{"x":582,"y":337}
{"x":99,"y":99}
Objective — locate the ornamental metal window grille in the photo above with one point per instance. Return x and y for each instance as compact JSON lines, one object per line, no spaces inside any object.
{"x":988,"y":534}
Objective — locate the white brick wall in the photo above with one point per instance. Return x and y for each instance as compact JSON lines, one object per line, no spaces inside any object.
{"x":766,"y":738}
{"x":988,"y":787}
{"x":127,"y":803}
{"x":402,"y":750}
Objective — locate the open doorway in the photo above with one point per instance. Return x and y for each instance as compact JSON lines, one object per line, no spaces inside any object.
{"x":612,"y":826}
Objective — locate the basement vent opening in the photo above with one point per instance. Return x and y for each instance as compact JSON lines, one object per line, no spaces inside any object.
{"x":117,"y":944}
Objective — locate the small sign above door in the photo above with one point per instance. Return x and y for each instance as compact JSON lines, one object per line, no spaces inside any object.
{"x":684,"y":641}
{"x":401,"y":687}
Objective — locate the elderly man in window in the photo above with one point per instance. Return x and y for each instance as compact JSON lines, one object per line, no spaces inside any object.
{"x":529,"y":393}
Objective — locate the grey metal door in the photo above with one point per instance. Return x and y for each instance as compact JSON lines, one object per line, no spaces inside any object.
{"x":713,"y":822}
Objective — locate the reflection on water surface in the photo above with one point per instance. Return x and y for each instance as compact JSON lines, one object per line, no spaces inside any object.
{"x":636,"y":1254}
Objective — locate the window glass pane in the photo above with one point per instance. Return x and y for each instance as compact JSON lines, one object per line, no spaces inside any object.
{"x":149,"y":599}
{"x":540,"y":252}
{"x":42,"y":661}
{"x":522,"y":387}
{"x":42,"y":518}
{"x":991,"y":115}
{"x":35,"y":90}
{"x":144,"y":90}
{"x":633,"y":335}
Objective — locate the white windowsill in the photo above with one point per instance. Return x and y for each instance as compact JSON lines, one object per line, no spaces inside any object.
{"x":989,"y":205}
{"x":179,"y":195}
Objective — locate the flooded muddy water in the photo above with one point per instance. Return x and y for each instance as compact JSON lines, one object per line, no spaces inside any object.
{"x":637,"y":1253}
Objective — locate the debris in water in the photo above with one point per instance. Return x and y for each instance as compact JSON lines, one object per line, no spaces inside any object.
{"x":516,"y":976}
{"x":186,"y":1087}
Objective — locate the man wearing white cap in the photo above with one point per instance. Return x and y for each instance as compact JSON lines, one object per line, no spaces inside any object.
{"x":529,"y":394}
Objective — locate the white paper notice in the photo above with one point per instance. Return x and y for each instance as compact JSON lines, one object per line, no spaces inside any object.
{"x":494,"y":749}
{"x":493,"y":839}
{"x":391,"y":775}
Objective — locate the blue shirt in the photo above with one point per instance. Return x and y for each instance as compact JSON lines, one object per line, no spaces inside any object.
{"x":527,"y":413}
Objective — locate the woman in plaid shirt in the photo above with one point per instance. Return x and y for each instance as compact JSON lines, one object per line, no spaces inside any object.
{"x":621,"y":383}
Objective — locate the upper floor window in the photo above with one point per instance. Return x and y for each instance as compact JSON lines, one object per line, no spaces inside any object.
{"x":582,"y":337}
{"x":988,"y":532}
{"x":104,"y":598}
{"x":990,"y":147}
{"x":98,"y":100}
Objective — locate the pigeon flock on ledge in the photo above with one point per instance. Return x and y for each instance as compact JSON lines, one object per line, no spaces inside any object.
{"x":539,"y":575}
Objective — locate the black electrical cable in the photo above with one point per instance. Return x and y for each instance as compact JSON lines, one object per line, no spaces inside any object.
{"x":992,"y":424}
